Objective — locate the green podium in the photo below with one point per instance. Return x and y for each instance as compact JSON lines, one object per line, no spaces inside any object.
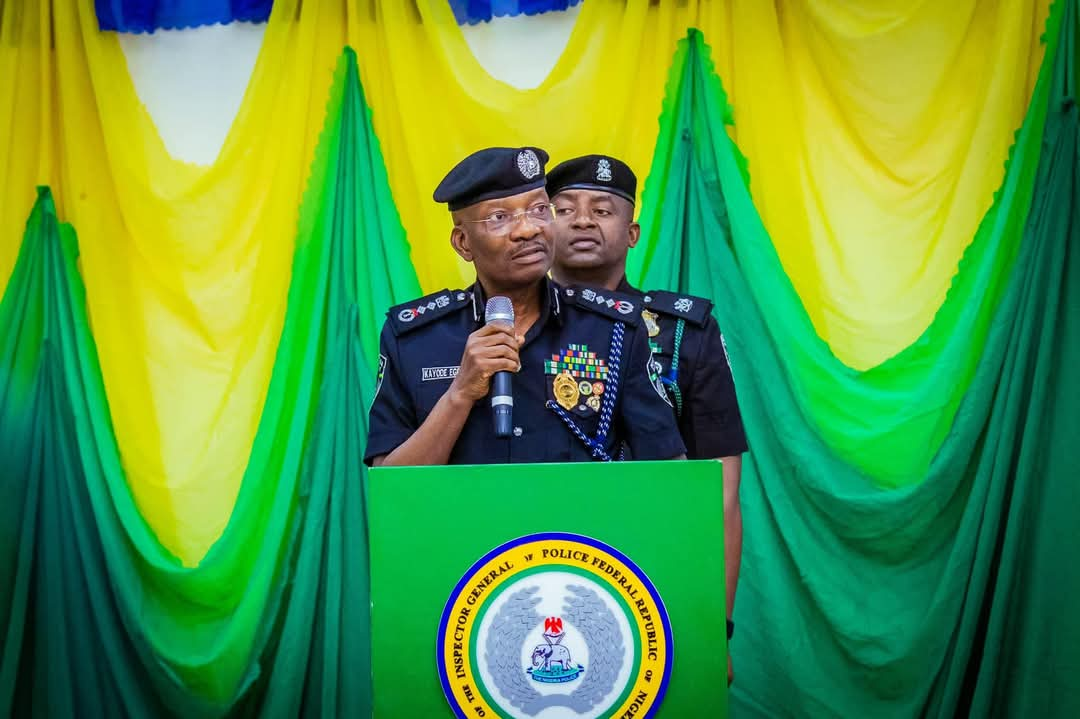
{"x":548,"y":591}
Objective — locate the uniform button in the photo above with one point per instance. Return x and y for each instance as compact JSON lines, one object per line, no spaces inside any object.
{"x":518,"y":431}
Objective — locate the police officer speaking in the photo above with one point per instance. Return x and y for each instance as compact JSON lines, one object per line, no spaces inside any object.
{"x":594,"y":230}
{"x":584,"y":385}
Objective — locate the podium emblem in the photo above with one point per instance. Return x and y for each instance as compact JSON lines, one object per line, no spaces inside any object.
{"x":554,"y":625}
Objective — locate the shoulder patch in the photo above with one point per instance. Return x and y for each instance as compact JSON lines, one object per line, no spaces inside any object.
{"x":618,"y":306}
{"x":417,"y":313}
{"x":694,"y":310}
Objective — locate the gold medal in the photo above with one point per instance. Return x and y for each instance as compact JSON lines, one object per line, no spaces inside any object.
{"x":594,"y":403}
{"x":650,"y":322}
{"x":566,"y":390}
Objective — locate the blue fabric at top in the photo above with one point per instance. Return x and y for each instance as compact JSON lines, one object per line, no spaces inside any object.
{"x":150,"y":15}
{"x":474,"y":11}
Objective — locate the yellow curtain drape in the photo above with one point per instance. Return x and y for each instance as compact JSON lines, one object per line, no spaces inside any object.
{"x":186,"y":268}
{"x":876,"y":135}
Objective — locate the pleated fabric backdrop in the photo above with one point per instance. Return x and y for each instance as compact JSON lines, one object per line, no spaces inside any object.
{"x":882,"y":202}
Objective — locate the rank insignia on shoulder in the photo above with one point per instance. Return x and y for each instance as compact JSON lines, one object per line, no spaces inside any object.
{"x":616,"y":305}
{"x":694,"y":310}
{"x":417,"y":313}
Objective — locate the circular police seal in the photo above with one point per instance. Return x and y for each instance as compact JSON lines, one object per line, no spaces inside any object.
{"x":554,"y":625}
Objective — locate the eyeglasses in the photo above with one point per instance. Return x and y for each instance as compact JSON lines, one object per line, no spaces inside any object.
{"x":501,"y":221}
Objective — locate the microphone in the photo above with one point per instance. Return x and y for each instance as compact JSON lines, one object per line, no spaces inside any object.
{"x":500,"y":309}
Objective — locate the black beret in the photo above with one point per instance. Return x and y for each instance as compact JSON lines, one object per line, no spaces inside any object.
{"x":492,"y":173}
{"x":593,"y":172}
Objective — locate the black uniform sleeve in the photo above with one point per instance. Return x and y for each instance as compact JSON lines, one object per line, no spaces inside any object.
{"x":647,"y":420}
{"x":392,"y":418}
{"x":711,"y":423}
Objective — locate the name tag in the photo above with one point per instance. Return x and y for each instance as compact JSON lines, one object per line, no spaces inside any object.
{"x":434,"y":373}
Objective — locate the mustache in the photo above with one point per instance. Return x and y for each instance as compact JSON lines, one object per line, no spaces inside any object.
{"x":528,"y":248}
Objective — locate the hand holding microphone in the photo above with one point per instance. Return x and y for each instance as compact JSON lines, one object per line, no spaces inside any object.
{"x":491,"y":352}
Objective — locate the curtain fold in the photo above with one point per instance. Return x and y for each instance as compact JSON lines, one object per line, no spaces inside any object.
{"x":874,"y":155}
{"x":888,"y":422}
{"x":273,"y":621}
{"x":876,"y":136}
{"x":928,"y":600}
{"x":183,"y":389}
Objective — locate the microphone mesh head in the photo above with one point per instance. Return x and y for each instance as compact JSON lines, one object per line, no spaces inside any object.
{"x":499,"y":309}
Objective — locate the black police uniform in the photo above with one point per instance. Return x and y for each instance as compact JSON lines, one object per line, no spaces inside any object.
{"x":690,"y":353}
{"x":694,"y":368}
{"x":584,"y":388}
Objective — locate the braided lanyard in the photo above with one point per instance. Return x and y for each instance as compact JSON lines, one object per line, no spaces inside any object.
{"x":672,"y":380}
{"x":607,"y":405}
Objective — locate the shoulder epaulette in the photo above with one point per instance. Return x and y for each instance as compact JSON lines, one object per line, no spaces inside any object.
{"x":616,"y":305}
{"x":694,"y":310}
{"x":417,"y":313}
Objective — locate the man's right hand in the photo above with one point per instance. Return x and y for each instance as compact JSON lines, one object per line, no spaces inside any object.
{"x":490,"y":349}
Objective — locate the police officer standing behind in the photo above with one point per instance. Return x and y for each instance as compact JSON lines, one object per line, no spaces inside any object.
{"x":594,"y":231}
{"x":582,"y":388}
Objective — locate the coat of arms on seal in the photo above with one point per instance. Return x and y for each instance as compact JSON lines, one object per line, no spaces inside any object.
{"x":551,"y":662}
{"x":554,"y":621}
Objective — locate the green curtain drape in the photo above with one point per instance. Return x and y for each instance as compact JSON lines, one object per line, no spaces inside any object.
{"x":99,"y":618}
{"x":950,"y":595}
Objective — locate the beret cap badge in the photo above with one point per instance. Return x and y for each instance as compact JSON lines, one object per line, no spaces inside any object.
{"x":528,"y":164}
{"x":603,"y":170}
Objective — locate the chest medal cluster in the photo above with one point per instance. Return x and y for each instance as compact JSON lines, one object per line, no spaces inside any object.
{"x":578,"y":378}
{"x":584,"y":384}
